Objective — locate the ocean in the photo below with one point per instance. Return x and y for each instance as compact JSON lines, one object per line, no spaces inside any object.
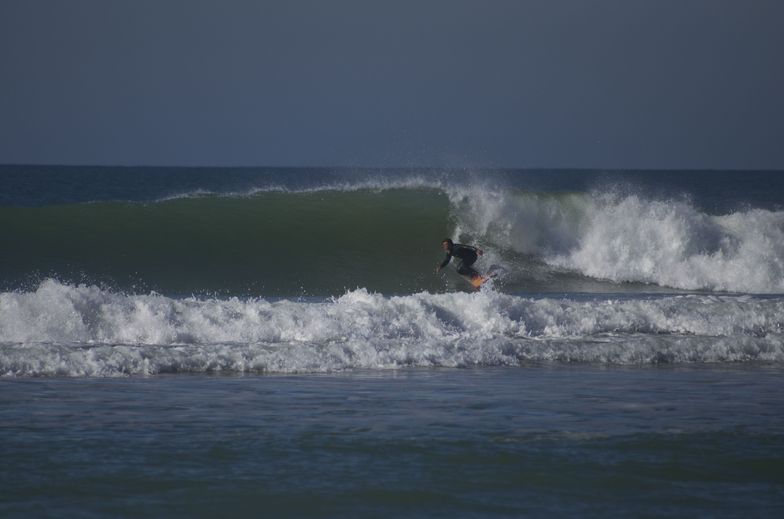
{"x":199,"y":342}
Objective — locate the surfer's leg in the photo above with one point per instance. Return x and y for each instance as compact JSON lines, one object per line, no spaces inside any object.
{"x":466,"y":270}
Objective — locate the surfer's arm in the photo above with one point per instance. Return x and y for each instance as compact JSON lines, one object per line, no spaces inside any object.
{"x":445,"y":262}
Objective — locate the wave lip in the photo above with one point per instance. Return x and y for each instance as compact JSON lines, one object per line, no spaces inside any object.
{"x":85,"y":331}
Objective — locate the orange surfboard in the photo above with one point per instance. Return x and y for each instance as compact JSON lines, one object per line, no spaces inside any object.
{"x":478,"y":281}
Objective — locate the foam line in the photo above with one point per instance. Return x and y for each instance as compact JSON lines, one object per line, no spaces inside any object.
{"x":83,"y":330}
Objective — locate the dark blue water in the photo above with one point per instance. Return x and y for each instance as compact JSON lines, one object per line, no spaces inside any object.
{"x":502,"y":442}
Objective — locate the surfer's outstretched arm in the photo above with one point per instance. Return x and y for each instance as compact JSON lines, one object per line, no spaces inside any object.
{"x":444,"y":263}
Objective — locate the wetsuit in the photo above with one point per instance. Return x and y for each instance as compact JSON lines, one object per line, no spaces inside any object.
{"x":467,"y":256}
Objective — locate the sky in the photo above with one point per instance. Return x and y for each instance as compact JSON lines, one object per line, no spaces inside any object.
{"x":603,"y":84}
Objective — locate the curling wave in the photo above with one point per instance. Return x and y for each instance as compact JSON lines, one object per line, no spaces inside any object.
{"x":384,"y":236}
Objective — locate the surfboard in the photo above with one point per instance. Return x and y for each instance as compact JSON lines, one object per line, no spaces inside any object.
{"x":478,"y":281}
{"x":493,"y":272}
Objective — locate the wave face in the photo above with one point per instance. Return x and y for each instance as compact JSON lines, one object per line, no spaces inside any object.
{"x":86,"y":331}
{"x":288,"y":233}
{"x":272,"y":243}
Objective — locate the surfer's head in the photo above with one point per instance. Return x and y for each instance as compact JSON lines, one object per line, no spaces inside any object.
{"x":447,"y":244}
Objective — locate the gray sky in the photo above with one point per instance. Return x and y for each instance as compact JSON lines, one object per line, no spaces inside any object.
{"x":550,"y":83}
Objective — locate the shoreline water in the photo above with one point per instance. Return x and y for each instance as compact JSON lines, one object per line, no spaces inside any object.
{"x":495,"y":442}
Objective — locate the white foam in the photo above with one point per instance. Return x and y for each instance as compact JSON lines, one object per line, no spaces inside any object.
{"x":379,"y":184}
{"x":85,"y":331}
{"x":631,"y":238}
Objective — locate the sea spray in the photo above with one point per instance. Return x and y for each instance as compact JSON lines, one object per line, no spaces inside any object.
{"x":631,"y":238}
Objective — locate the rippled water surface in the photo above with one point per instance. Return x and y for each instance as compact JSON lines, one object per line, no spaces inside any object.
{"x":540,"y":440}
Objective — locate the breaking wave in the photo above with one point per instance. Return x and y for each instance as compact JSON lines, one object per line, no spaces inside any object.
{"x":630,"y":238}
{"x":384,"y":236}
{"x":83,"y":330}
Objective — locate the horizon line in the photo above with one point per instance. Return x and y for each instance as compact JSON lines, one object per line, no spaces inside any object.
{"x":381,"y":168}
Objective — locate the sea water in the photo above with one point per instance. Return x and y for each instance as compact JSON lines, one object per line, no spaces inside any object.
{"x":201,"y":342}
{"x":541,"y":440}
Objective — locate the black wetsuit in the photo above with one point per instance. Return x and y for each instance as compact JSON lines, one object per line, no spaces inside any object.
{"x":467,"y":256}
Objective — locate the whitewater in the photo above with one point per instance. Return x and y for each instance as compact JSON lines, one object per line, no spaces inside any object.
{"x":630,"y":238}
{"x":86,"y":331}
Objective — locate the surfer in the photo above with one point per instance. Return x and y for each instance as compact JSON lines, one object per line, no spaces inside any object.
{"x":465,"y":253}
